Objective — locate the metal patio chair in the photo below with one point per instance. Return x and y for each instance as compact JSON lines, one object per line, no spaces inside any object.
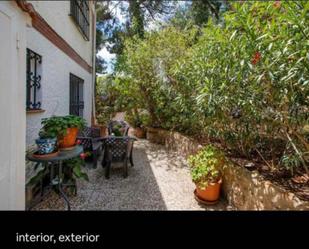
{"x":123,"y":125}
{"x":92,"y":142}
{"x":117,"y":149}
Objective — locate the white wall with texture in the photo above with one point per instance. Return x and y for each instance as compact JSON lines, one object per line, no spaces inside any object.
{"x":56,"y":14}
{"x":55,"y":83}
{"x":12,"y":106}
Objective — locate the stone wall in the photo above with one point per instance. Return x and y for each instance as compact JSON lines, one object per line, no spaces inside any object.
{"x":244,"y":189}
{"x":173,"y":141}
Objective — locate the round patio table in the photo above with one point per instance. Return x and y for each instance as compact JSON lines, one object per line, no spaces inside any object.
{"x":55,"y":164}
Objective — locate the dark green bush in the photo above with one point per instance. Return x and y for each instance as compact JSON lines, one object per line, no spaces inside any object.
{"x":244,"y":83}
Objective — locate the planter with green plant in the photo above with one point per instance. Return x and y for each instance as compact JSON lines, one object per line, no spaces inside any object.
{"x":74,"y":169}
{"x":139,"y":120}
{"x":104,"y":114}
{"x":47,"y":142}
{"x":136,"y":121}
{"x":65,"y":128}
{"x":117,"y":130}
{"x":206,"y":172}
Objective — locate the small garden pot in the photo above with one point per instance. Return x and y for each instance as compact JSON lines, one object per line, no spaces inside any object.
{"x":69,"y":139}
{"x":139,"y":132}
{"x":211,"y":192}
{"x":103,"y":130}
{"x":46,"y":145}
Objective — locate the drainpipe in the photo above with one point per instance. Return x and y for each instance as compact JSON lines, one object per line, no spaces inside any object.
{"x":93,"y":119}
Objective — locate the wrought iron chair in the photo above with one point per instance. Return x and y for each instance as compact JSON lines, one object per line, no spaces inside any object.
{"x":91,"y":140}
{"x":117,"y":149}
{"x":123,"y":125}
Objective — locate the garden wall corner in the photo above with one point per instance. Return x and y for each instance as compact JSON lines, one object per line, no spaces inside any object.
{"x":243,"y":189}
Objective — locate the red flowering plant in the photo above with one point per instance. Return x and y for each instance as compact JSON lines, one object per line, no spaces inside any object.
{"x":85,"y":155}
{"x":256,"y":63}
{"x":256,"y":58}
{"x":277,"y":4}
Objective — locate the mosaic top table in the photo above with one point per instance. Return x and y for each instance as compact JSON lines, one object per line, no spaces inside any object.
{"x":55,"y":164}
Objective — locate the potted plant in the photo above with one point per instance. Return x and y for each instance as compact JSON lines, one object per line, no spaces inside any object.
{"x":103,"y":129}
{"x":76,"y":170}
{"x":206,"y":172}
{"x":102,"y":119}
{"x":104,"y":113}
{"x":139,"y":129}
{"x":46,"y":142}
{"x":137,"y":121}
{"x":66,"y":128}
{"x":118,"y":130}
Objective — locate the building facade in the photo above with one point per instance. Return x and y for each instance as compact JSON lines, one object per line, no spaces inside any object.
{"x":47,"y":68}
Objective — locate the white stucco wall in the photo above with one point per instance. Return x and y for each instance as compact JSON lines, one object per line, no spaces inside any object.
{"x":56,"y":13}
{"x":12,"y":106}
{"x":18,"y":128}
{"x":55,"y":83}
{"x":57,"y":66}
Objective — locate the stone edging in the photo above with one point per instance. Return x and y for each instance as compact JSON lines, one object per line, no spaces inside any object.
{"x":244,"y":189}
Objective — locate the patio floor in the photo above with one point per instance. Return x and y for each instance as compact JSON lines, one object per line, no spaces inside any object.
{"x":159,"y":180}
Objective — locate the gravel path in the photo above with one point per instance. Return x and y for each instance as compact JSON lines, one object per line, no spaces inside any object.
{"x":159,"y":180}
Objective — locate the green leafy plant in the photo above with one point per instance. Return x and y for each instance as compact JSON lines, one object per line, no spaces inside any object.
{"x":76,"y":165}
{"x":107,"y":99}
{"x":73,"y":170}
{"x":117,"y":130}
{"x":137,"y":119}
{"x":206,"y":166}
{"x":56,"y":126}
{"x":47,"y":134}
{"x":244,"y":83}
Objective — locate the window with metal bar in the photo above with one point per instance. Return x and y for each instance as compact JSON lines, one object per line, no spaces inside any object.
{"x":34,"y":64}
{"x":76,"y":95}
{"x":80,"y":14}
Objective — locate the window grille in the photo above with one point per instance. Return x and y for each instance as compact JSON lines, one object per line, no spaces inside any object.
{"x":76,"y":95}
{"x":34,"y":62}
{"x":80,"y":14}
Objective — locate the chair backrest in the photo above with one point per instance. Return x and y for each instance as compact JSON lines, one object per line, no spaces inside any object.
{"x":118,"y":147}
{"x":90,"y":132}
{"x":114,"y":124}
{"x":86,"y":143}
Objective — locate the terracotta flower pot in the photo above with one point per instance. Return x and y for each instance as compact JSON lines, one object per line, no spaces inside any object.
{"x":103,"y":130}
{"x":69,"y":139}
{"x":211,"y":192}
{"x":139,"y":132}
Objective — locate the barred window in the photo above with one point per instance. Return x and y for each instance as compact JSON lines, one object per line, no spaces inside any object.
{"x":34,"y":64}
{"x":76,"y":95}
{"x":80,"y":14}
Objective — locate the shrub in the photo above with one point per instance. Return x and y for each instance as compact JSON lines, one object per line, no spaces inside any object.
{"x":206,"y":166}
{"x":138,"y":118}
{"x":56,"y":126}
{"x":244,"y":83}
